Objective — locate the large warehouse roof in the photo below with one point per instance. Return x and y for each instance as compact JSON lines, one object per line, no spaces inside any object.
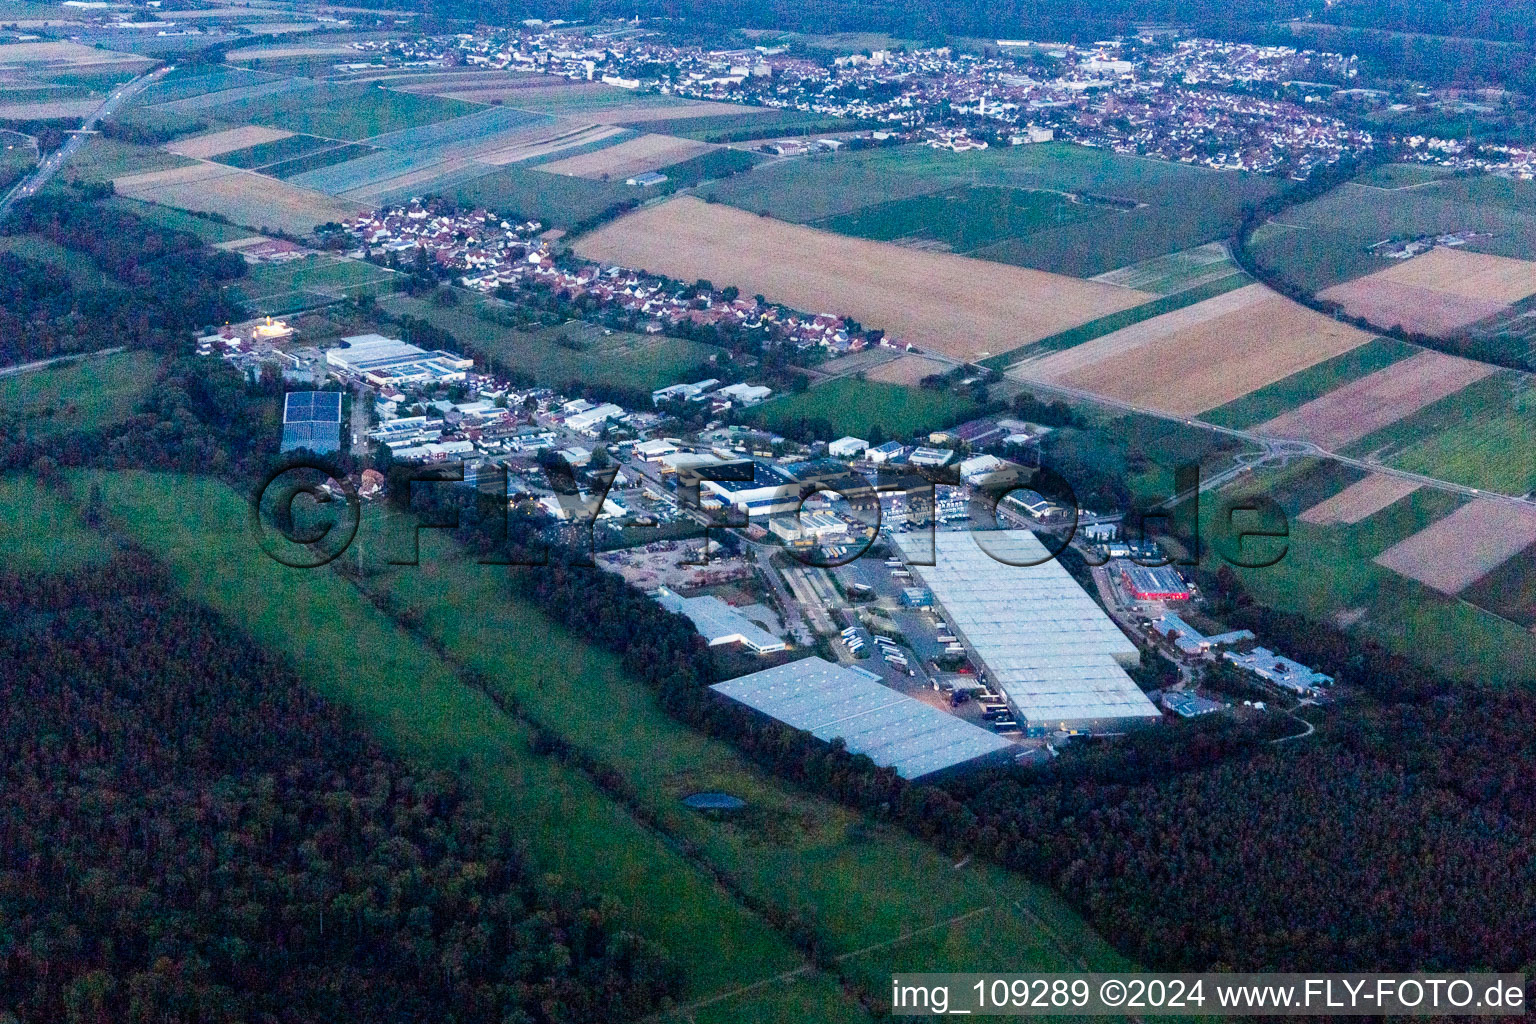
{"x":1044,"y":641}
{"x":894,"y":730}
{"x":719,"y":623}
{"x":312,"y":419}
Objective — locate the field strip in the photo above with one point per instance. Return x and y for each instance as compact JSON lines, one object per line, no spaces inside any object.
{"x":1059,"y":365}
{"x":632,"y":156}
{"x":957,"y":306}
{"x":1217,"y":360}
{"x":201,"y":147}
{"x":1377,"y":400}
{"x":546,"y":144}
{"x":1360,"y":500}
{"x":1465,"y":546}
{"x":699,"y":108}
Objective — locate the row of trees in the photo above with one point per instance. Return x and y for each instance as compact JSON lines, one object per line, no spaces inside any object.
{"x":188,"y":833}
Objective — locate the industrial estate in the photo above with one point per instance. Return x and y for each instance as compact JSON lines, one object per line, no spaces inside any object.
{"x":576,"y":514}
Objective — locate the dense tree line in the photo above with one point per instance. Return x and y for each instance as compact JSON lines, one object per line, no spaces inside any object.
{"x":174,"y":281}
{"x":190,"y":834}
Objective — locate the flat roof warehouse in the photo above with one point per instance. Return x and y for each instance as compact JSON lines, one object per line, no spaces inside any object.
{"x":1037,"y":634}
{"x":836,"y":702}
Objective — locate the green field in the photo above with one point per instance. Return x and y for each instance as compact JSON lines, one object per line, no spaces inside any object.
{"x":349,"y":112}
{"x":198,"y":80}
{"x":1327,"y":572}
{"x":1147,"y":208}
{"x":854,"y":406}
{"x":264,"y":153}
{"x":1403,"y":175}
{"x":557,"y":200}
{"x":211,"y":231}
{"x":42,"y":532}
{"x":962,"y":218}
{"x":1326,"y":241}
{"x":579,"y":99}
{"x":1484,"y":444}
{"x":1313,"y":382}
{"x":101,"y":159}
{"x":1177,"y":271}
{"x":881,"y":900}
{"x":619,"y":359}
{"x":277,"y":288}
{"x":1509,"y":591}
{"x":314,"y":161}
{"x":86,"y":394}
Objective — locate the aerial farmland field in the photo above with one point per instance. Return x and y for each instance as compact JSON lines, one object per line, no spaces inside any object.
{"x":1438,"y":292}
{"x":1315,"y":381}
{"x":854,"y":406}
{"x":84,"y":394}
{"x":1377,"y":400}
{"x":947,"y":304}
{"x":1466,"y":545}
{"x":557,"y":356}
{"x":278,"y":288}
{"x":1199,"y":357}
{"x":961,"y":218}
{"x":242,"y":197}
{"x":1134,"y":209}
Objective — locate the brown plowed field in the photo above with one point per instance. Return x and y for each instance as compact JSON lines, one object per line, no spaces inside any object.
{"x":1376,"y":400}
{"x":1466,"y":545}
{"x":1360,"y":500}
{"x":1202,"y":356}
{"x":1438,"y":292}
{"x":947,"y":304}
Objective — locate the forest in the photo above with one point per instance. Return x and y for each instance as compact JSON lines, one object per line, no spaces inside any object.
{"x":190,"y":834}
{"x":170,"y":283}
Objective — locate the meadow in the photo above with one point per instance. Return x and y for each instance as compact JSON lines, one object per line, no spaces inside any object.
{"x":84,"y":394}
{"x":961,"y":219}
{"x":102,"y":159}
{"x":854,"y":406}
{"x":553,"y":199}
{"x":1149,"y":207}
{"x":1325,"y":242}
{"x":40,"y":531}
{"x":619,"y":359}
{"x":347,"y":112}
{"x":1491,"y":448}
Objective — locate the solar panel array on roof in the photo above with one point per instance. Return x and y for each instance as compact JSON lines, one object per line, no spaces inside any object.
{"x":316,"y":406}
{"x":830,"y":701}
{"x":312,"y":420}
{"x":1043,"y":640}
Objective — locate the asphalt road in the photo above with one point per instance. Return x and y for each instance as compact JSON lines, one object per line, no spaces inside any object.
{"x":58,"y":158}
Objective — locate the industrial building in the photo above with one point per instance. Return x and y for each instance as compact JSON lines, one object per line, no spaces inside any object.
{"x":1190,"y":640}
{"x":1280,"y":670}
{"x":312,"y":420}
{"x":895,"y":731}
{"x":388,"y":362}
{"x":1152,"y":583}
{"x":846,"y":447}
{"x":771,"y":491}
{"x":1035,"y":633}
{"x":719,"y":623}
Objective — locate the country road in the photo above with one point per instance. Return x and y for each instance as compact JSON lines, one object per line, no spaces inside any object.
{"x":58,"y":158}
